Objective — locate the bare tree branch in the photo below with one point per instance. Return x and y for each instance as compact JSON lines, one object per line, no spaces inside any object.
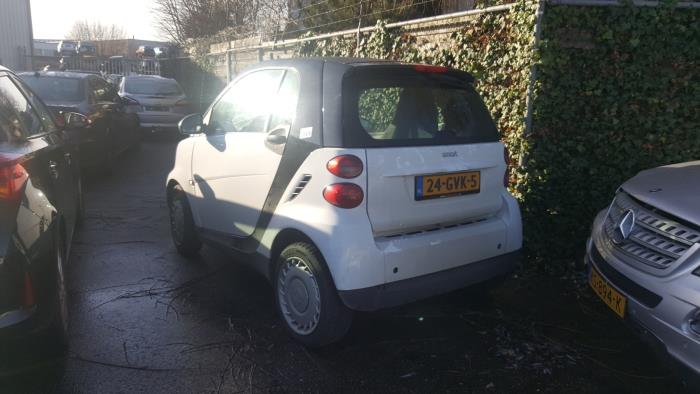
{"x":95,"y":31}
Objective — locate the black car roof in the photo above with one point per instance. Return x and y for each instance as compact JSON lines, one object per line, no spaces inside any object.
{"x":347,"y":63}
{"x":57,"y":74}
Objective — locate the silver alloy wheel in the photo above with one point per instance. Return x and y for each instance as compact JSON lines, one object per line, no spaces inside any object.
{"x":299,"y":296}
{"x":62,"y":293}
{"x":177,"y":220}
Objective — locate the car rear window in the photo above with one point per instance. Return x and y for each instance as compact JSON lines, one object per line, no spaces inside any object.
{"x":401,"y":106}
{"x":152,"y":86}
{"x":56,"y":89}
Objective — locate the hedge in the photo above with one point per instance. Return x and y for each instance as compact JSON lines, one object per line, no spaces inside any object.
{"x":617,"y":91}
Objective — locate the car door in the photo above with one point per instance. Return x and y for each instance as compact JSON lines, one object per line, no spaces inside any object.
{"x":48,"y":166}
{"x":235,"y":161}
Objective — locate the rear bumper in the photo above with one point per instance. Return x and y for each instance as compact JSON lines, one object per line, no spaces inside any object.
{"x":414,"y":289}
{"x":160,"y":119}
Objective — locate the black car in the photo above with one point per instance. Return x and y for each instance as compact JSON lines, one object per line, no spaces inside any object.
{"x":110,"y":131}
{"x":40,"y":206}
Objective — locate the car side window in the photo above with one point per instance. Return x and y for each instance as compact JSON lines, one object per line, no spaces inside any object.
{"x":18,"y":113}
{"x":45,"y":115}
{"x":284,"y":106}
{"x":246,"y":106}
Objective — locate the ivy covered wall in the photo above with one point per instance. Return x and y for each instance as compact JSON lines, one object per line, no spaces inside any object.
{"x":617,"y":91}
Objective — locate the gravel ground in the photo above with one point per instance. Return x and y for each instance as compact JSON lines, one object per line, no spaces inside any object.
{"x":144,"y":320}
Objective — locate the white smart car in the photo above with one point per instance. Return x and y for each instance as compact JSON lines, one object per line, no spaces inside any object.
{"x":350,"y":184}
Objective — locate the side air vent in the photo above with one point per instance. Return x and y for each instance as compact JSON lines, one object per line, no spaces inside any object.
{"x":300,"y":186}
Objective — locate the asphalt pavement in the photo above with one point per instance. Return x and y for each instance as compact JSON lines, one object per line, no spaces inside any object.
{"x":145,"y":320}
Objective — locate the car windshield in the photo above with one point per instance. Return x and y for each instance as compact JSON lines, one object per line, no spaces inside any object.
{"x":56,"y":89}
{"x":394,"y":107}
{"x":152,"y":86}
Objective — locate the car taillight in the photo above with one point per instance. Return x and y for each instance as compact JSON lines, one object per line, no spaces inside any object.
{"x":60,"y":120}
{"x":12,"y":178}
{"x":424,"y":68}
{"x":506,"y":175}
{"x":345,"y":166}
{"x":344,"y":195}
{"x":182,"y":103}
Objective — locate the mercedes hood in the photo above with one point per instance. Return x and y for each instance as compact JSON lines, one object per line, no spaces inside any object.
{"x":674,"y":189}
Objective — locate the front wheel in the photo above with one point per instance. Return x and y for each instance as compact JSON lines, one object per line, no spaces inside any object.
{"x":182,"y":224}
{"x":307,"y":299}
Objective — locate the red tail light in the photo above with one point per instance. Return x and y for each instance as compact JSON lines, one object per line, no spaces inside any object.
{"x":345,"y":166}
{"x":423,"y":68}
{"x":344,"y":195}
{"x":60,"y":120}
{"x":28,"y":296}
{"x":506,"y":175}
{"x":12,"y":178}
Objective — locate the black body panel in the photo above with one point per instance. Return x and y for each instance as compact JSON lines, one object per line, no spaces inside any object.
{"x":40,"y":211}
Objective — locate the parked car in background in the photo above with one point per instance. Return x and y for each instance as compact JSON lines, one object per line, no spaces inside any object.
{"x":145,"y":51}
{"x":86,"y":48}
{"x":111,"y":129}
{"x":66,"y":47}
{"x":40,"y":206}
{"x":159,"y":102}
{"x":350,"y":184}
{"x":644,"y":257}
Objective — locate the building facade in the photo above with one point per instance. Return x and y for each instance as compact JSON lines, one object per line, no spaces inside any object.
{"x":16,"y":36}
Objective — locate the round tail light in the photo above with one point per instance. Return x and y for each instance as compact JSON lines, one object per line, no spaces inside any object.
{"x":344,"y":195}
{"x":345,"y":166}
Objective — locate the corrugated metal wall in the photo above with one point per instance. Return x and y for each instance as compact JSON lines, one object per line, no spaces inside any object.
{"x":15,"y":34}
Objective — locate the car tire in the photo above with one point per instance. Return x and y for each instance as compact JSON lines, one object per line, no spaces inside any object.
{"x":182,"y":224}
{"x":57,"y":332}
{"x":306,"y":297}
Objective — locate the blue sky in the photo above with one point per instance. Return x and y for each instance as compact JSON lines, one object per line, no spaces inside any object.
{"x":53,"y":18}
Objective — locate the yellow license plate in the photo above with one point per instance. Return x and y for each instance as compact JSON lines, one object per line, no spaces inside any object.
{"x":612,"y":298}
{"x":445,"y":185}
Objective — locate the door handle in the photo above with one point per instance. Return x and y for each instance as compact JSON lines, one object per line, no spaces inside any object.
{"x":53,"y":169}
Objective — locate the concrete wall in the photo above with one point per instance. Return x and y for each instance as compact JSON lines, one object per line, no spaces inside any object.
{"x":15,"y":34}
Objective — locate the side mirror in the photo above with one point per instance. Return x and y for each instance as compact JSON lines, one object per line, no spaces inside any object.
{"x":191,"y":124}
{"x":74,"y":120}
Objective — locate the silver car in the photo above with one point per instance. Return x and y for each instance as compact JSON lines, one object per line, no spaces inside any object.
{"x":159,"y":102}
{"x":644,"y":256}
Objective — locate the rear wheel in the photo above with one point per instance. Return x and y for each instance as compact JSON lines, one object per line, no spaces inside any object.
{"x":182,"y":224}
{"x":307,"y":299}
